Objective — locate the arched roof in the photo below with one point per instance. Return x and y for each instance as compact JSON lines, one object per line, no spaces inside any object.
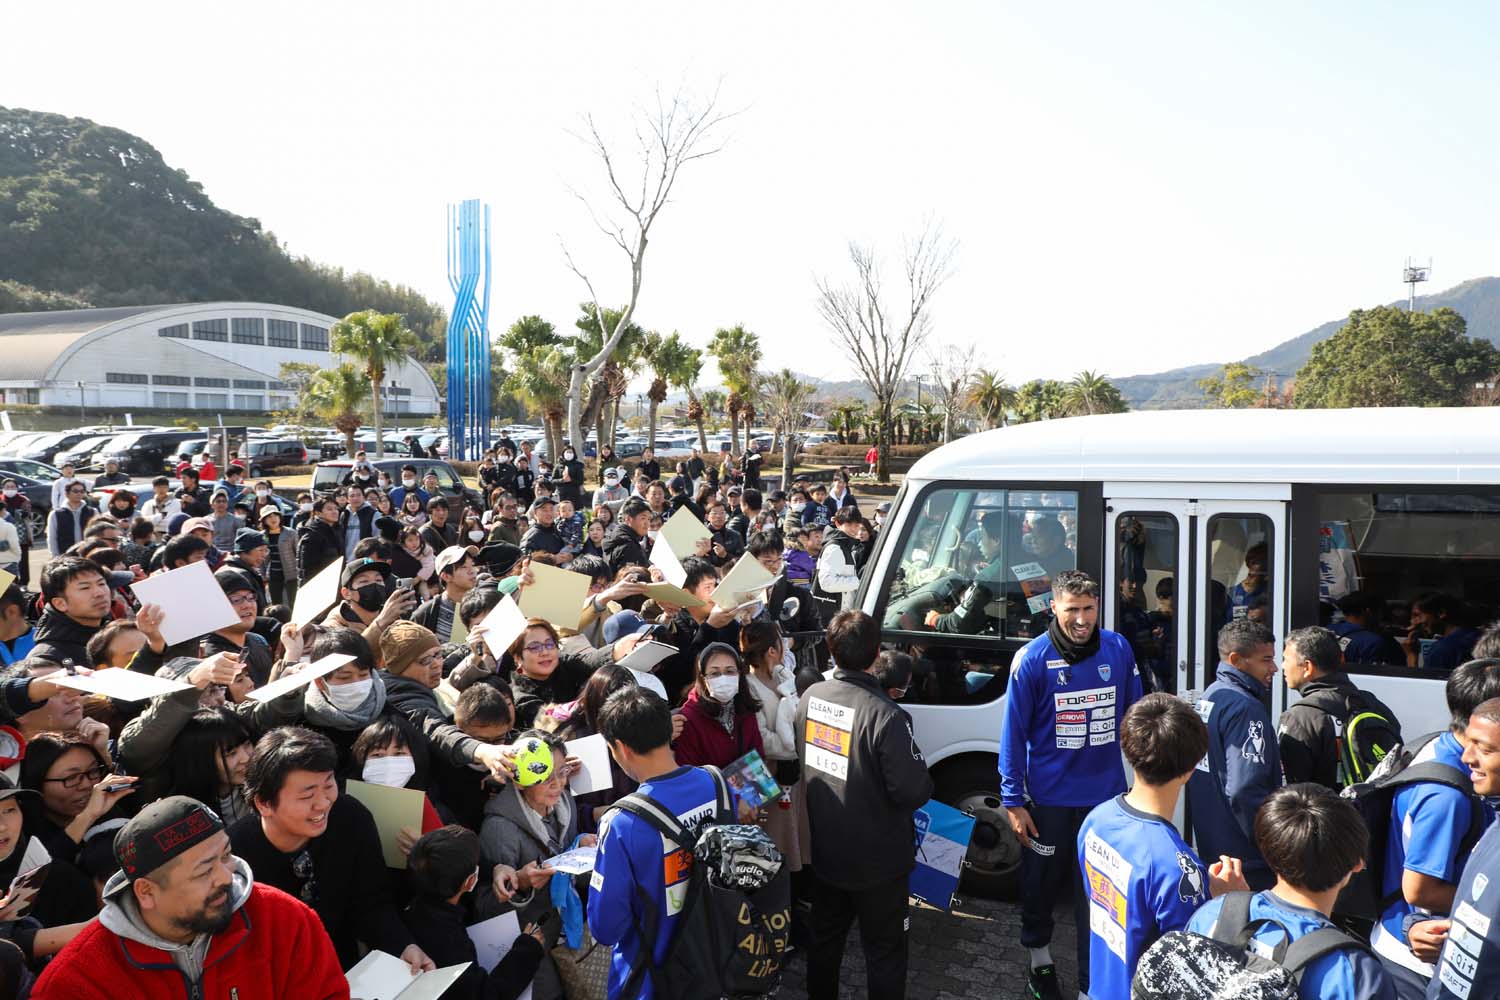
{"x":1373,"y":445}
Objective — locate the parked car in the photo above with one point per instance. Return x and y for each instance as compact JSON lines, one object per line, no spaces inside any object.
{"x":263,"y":456}
{"x":147,"y":453}
{"x":328,"y":476}
{"x":81,"y":455}
{"x":143,"y":492}
{"x":39,"y":492}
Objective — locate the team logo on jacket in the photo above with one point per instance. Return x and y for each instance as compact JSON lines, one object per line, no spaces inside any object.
{"x":1104,"y":671}
{"x":1480,"y":882}
{"x":1255,"y":743}
{"x":1190,"y":886}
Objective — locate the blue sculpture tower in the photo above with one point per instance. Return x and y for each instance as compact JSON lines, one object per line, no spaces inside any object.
{"x":469,"y":330}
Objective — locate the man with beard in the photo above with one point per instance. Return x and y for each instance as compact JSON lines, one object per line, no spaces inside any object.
{"x":184,"y":911}
{"x":1059,"y":758}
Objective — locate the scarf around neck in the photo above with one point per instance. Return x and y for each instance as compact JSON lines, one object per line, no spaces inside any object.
{"x":321,"y":712}
{"x":1072,"y":651}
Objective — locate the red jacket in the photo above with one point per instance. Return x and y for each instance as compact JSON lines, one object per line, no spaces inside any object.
{"x":703,"y":739}
{"x":274,"y":949}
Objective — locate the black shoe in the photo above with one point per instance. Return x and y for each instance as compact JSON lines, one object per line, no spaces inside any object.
{"x":1042,"y":984}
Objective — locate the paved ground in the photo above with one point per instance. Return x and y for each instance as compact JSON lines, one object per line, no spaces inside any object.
{"x":969,"y":953}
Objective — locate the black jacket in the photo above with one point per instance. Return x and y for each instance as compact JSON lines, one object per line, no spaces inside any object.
{"x":318,"y":544}
{"x":440,"y":538}
{"x":572,"y":487}
{"x":562,"y":685}
{"x":542,"y":539}
{"x":441,"y":931}
{"x":427,"y":612}
{"x":412,"y":698}
{"x":255,"y":653}
{"x":862,"y":771}
{"x":60,"y":639}
{"x":1308,"y":740}
{"x":683,"y":500}
{"x":622,"y":547}
{"x":733,"y":544}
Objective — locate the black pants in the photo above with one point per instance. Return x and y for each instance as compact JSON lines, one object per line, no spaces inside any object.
{"x":23,"y":572}
{"x":1049,"y":869}
{"x":1408,"y":985}
{"x":283,"y":591}
{"x":883,"y":925}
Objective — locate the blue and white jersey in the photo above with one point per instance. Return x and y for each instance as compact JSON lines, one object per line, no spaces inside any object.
{"x":1059,"y":741}
{"x":1351,"y":974}
{"x":1142,"y":881}
{"x":1471,"y":956}
{"x":1428,"y":823}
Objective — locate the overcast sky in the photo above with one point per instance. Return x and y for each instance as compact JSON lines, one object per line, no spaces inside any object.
{"x":1133,"y":186}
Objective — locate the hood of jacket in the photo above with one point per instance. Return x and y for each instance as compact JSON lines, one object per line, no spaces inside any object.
{"x":508,"y":805}
{"x":122,"y":916}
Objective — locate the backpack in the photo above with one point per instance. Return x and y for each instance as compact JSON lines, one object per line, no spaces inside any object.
{"x":1365,"y":734}
{"x":1362,"y":898}
{"x":735,"y":923}
{"x":1183,"y":965}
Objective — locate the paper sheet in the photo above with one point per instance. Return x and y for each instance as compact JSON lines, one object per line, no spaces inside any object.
{"x":493,"y":939}
{"x":460,"y":633}
{"x":682,"y":531}
{"x":594,"y":753}
{"x":318,"y":595}
{"x":664,"y":559}
{"x":6,"y":579}
{"x":651,"y":683}
{"x":303,"y":677}
{"x":556,"y":595}
{"x":394,"y":809}
{"x":747,"y":578}
{"x":191,"y":600}
{"x":379,"y":976}
{"x":666,"y":593}
{"x":574,"y":862}
{"x":501,"y":626}
{"x":119,"y":683}
{"x":646,"y":655}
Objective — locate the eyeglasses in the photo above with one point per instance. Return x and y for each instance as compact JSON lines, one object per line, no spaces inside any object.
{"x":242,"y":597}
{"x":545,"y":646}
{"x":81,"y":779}
{"x":303,"y":868}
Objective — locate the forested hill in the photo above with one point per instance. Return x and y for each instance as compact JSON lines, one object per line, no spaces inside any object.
{"x":1477,"y":301}
{"x":92,"y":216}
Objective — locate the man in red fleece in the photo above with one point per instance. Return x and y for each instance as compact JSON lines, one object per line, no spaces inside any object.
{"x":184,"y":916}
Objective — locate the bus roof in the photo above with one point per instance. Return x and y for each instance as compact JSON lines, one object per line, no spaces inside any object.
{"x":1374,"y":445}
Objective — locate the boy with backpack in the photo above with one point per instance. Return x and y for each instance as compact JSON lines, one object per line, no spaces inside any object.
{"x":1335,"y":734}
{"x":1470,"y":935}
{"x":1433,"y":824}
{"x":1314,"y":842}
{"x":1142,"y":878}
{"x":670,"y":867}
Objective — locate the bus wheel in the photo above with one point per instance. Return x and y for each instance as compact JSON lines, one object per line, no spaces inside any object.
{"x":992,"y":868}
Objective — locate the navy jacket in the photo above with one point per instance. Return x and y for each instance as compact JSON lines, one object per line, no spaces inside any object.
{"x":1243,"y":766}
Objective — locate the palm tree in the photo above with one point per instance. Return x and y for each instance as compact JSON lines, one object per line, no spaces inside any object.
{"x":668,"y":358}
{"x":714,"y":404}
{"x":992,"y":396}
{"x":683,"y":375}
{"x":1089,"y":392}
{"x":337,"y":394}
{"x":541,"y":379}
{"x":378,"y":341}
{"x":738,"y":353}
{"x":787,"y":397}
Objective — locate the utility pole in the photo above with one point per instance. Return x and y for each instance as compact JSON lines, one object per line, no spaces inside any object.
{"x":1411,"y":276}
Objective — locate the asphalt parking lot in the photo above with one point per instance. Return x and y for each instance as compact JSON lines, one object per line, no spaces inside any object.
{"x":971,"y":952}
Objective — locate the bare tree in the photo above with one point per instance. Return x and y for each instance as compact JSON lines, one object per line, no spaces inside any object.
{"x":883,"y":343}
{"x":952,"y":372}
{"x":673,"y":135}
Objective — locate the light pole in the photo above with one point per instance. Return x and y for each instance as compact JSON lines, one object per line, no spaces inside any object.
{"x":918,"y":379}
{"x":82,"y":415}
{"x":396,"y":403}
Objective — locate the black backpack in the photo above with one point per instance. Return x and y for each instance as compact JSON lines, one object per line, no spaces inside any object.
{"x":1183,"y":965}
{"x":1362,"y":899}
{"x":1366,"y":731}
{"x":730,"y":942}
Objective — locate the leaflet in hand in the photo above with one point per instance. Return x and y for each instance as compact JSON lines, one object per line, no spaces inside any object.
{"x":574,"y":862}
{"x":501,"y":626}
{"x":682,"y":532}
{"x":303,"y":677}
{"x":192,"y":602}
{"x":751,"y":780}
{"x":742,"y":583}
{"x":593,"y":753}
{"x":318,"y":595}
{"x":379,"y":976}
{"x":119,"y":684}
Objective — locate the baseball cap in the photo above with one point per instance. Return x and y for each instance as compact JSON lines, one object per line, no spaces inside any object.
{"x":500,"y":557}
{"x":162,"y":831}
{"x":452,"y":556}
{"x":248,"y":539}
{"x":778,"y":495}
{"x":195,"y":524}
{"x":232,"y":581}
{"x":680,"y":484}
{"x":623,"y":623}
{"x":541,"y":502}
{"x":735,"y":491}
{"x":612,"y":474}
{"x":358,"y":566}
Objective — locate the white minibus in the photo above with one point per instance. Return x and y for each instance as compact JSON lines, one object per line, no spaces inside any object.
{"x":1187,"y":519}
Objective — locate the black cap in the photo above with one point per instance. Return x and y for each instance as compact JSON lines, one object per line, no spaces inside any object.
{"x":358,"y":566}
{"x":231,"y":580}
{"x":500,"y":556}
{"x":162,"y":831}
{"x":541,"y":502}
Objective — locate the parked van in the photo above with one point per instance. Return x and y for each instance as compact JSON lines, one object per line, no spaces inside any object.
{"x":1164,"y":508}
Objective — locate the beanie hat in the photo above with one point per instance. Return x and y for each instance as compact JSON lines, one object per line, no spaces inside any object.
{"x":403,"y":643}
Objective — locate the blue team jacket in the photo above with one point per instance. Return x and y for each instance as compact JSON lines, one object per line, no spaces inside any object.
{"x":1243,"y":766}
{"x":1059,"y":741}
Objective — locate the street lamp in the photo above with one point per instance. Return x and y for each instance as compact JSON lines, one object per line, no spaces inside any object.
{"x":396,"y":402}
{"x":918,"y":378}
{"x":82,"y":416}
{"x":639,"y":399}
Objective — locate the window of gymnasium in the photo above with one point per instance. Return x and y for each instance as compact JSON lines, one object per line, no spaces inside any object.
{"x":977,"y":563}
{"x":1408,"y":579}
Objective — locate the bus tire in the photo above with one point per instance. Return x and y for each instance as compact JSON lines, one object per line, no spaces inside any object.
{"x":971,"y":784}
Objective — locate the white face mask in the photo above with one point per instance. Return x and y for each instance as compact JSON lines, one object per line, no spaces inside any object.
{"x":408,"y":482}
{"x":799,"y":507}
{"x":305,"y":508}
{"x":723,"y":688}
{"x":348,"y":697}
{"x":262,"y":493}
{"x":652,"y":534}
{"x":10,"y":491}
{"x":476,"y":536}
{"x":393,"y":772}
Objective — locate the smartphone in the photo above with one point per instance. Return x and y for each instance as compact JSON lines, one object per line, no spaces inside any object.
{"x":403,"y":582}
{"x":32,"y":879}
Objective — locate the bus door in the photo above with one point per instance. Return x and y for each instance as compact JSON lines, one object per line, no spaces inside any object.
{"x":1179,"y":567}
